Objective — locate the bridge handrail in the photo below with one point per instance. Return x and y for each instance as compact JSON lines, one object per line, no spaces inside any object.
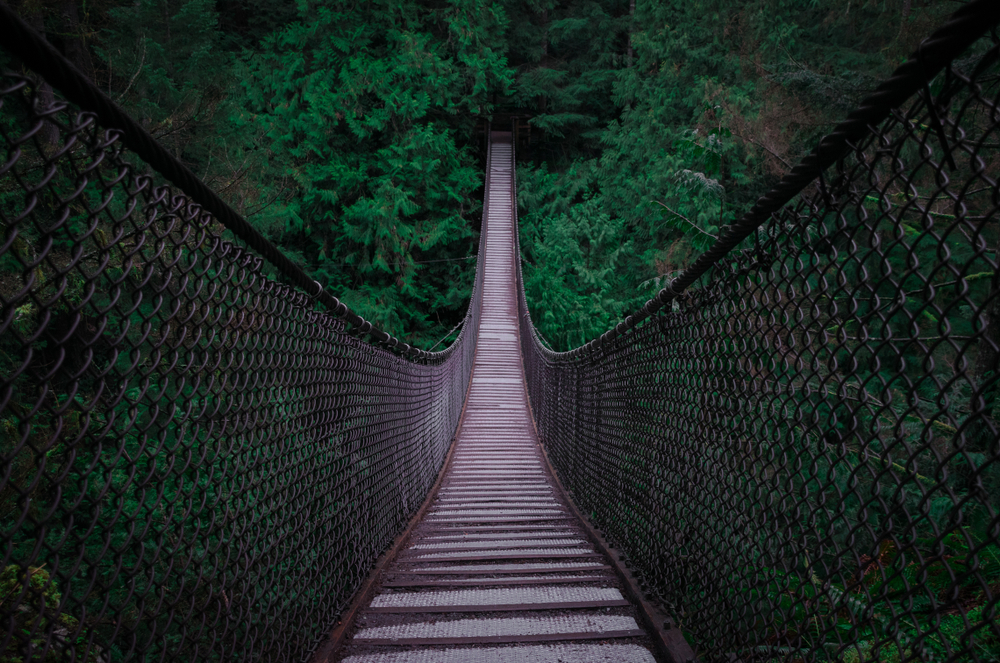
{"x":799,"y":457}
{"x":199,"y":463}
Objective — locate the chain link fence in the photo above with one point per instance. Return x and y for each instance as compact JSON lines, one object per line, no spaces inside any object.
{"x":796,"y":447}
{"x":198,"y":465}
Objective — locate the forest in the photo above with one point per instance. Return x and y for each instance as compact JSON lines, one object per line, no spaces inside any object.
{"x":350,"y":133}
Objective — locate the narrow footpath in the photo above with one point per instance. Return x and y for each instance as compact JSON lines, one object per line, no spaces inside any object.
{"x":499,"y":569}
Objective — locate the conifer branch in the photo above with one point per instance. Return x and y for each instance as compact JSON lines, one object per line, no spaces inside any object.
{"x":692,"y":223}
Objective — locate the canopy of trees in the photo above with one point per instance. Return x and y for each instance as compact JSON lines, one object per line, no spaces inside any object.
{"x":347,"y":132}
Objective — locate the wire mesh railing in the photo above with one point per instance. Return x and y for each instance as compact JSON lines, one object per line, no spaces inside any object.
{"x":198,"y":463}
{"x":795,"y":445}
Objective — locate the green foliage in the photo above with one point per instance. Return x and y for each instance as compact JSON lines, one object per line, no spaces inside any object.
{"x":318,"y":120}
{"x":568,"y":55}
{"x":369,"y":107}
{"x":39,"y":613}
{"x":719,"y":99}
{"x":581,"y":291}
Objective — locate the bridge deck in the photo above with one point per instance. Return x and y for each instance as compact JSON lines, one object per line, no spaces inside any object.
{"x":499,"y":569}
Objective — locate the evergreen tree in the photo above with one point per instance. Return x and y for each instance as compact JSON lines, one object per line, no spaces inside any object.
{"x":567,"y":56}
{"x":370,"y":106}
{"x":715,"y":102}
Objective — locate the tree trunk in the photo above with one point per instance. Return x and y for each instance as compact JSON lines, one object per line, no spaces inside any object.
{"x":74,"y":44}
{"x":980,"y":432}
{"x":49,"y":134}
{"x":545,"y":51}
{"x":905,"y":15}
{"x":545,"y":34}
{"x":988,"y":348}
{"x":631,"y":26}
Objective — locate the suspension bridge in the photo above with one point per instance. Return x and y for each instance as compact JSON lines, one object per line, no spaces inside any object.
{"x":499,"y":544}
{"x":789,"y":453}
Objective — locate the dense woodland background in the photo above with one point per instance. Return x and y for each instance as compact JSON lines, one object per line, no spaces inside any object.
{"x":346,"y":131}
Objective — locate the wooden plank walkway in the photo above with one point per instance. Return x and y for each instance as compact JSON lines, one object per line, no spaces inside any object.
{"x":499,"y":569}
